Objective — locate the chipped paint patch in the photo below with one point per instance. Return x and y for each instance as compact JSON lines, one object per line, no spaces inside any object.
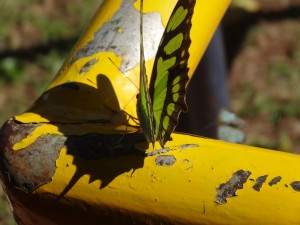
{"x":165,"y":160}
{"x":275,"y":180}
{"x":187,"y":146}
{"x":87,"y":66}
{"x":119,"y":36}
{"x":188,"y":163}
{"x":160,"y":151}
{"x":296,"y":185}
{"x":229,"y":188}
{"x":259,"y":182}
{"x":167,"y":149}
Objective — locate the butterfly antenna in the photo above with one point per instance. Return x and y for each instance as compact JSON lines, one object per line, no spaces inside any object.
{"x":142,"y":57}
{"x":123,"y":135}
{"x":122,"y":72}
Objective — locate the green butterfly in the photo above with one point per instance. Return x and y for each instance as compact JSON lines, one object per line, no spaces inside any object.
{"x":158,"y":107}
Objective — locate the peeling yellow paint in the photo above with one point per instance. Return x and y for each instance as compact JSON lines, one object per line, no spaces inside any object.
{"x":186,"y":191}
{"x":183,"y":193}
{"x":107,"y":10}
{"x":38,"y":132}
{"x":102,"y":107}
{"x":100,"y":99}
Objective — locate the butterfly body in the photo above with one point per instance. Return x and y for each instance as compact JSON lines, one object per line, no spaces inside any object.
{"x":159,"y":106}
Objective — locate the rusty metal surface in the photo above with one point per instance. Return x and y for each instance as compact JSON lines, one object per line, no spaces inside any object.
{"x":35,"y":165}
{"x":31,"y":166}
{"x":24,"y":170}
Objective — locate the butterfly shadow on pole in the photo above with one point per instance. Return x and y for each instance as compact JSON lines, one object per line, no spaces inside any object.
{"x":92,"y":144}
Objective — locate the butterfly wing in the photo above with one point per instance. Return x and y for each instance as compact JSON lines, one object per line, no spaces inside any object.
{"x":144,"y":104}
{"x":170,"y":72}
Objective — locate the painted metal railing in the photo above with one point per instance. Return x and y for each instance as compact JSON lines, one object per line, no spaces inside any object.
{"x":67,"y":160}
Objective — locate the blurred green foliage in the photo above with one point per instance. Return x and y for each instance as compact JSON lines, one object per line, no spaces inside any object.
{"x":11,"y":69}
{"x":266,"y":81}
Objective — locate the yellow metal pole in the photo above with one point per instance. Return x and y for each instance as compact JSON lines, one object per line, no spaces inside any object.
{"x":67,"y":160}
{"x":202,"y":182}
{"x":107,"y":56}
